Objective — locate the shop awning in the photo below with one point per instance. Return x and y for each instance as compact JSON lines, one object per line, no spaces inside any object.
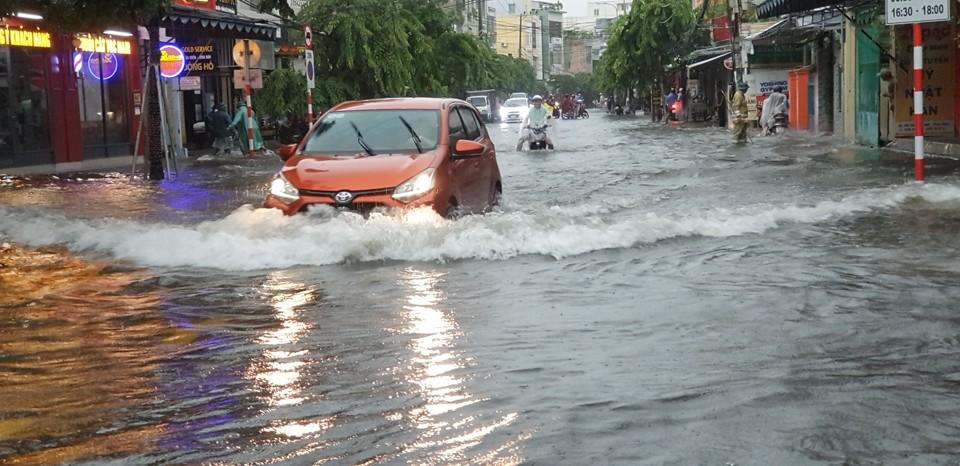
{"x":769,"y":31}
{"x":774,"y":8}
{"x":709,"y":60}
{"x":215,"y":23}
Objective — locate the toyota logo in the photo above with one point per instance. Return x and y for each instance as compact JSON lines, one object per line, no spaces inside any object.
{"x":343,"y":197}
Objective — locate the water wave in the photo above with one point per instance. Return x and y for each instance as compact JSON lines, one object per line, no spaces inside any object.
{"x":251,"y":239}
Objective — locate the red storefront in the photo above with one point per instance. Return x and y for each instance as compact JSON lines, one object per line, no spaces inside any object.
{"x":65,"y":97}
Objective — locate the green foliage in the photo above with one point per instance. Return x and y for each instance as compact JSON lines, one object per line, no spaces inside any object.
{"x":571,"y":84}
{"x":654,"y":35}
{"x":88,"y":15}
{"x":284,"y":91}
{"x":380,"y":48}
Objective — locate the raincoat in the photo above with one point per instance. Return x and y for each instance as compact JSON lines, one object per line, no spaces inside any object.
{"x":240,"y":122}
{"x":738,"y":105}
{"x":774,"y":104}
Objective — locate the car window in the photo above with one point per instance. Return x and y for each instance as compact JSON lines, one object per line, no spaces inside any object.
{"x":383,"y":131}
{"x":470,"y":123}
{"x":515,"y":103}
{"x":456,"y":126}
{"x":478,"y":101}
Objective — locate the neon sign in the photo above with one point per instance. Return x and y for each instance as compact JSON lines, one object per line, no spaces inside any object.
{"x":108,"y":62}
{"x":100,"y":44}
{"x":172,"y":61}
{"x":22,"y":38}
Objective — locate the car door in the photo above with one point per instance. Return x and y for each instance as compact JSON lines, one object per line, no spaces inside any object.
{"x":462,"y":171}
{"x":482,"y":184}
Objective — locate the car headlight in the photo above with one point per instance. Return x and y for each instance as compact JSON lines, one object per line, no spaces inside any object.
{"x":415,"y":187}
{"x":283,"y":190}
{"x":503,"y":112}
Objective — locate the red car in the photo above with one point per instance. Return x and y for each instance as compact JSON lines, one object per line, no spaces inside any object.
{"x":394,"y":153}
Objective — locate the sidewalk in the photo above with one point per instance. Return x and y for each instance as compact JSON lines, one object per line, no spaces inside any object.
{"x":932,"y":146}
{"x":93,"y":165}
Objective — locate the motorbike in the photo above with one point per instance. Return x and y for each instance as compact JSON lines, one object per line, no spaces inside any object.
{"x":538,"y":138}
{"x":780,"y":124}
{"x":583,"y":113}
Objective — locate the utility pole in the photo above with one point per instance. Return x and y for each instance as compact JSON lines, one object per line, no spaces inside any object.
{"x":481,"y":15}
{"x":520,"y":37}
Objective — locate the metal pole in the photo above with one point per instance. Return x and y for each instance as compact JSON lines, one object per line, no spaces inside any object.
{"x":918,"y":101}
{"x":309,"y":106}
{"x":246,"y":66}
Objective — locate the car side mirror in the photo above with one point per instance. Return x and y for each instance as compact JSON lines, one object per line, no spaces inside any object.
{"x":287,"y":151}
{"x":466,"y":148}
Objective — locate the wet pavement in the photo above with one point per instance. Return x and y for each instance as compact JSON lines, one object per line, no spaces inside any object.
{"x":647,"y":294}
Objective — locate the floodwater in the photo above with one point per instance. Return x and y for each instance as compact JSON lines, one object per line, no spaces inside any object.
{"x":647,"y":294}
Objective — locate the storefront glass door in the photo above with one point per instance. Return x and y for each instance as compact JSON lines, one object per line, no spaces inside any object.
{"x":24,"y":114}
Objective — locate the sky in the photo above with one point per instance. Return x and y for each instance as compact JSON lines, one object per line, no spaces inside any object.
{"x":572,"y":7}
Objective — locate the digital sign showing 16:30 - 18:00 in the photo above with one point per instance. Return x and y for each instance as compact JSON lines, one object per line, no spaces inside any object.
{"x":917,"y":11}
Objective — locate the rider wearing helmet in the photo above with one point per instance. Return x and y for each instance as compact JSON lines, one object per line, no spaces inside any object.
{"x":537,"y":116}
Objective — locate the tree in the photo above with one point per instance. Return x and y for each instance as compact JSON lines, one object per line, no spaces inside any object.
{"x":283,"y":93}
{"x":652,"y":36}
{"x":87,"y":15}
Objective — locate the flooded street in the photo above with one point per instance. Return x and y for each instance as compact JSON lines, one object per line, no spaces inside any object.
{"x":647,"y":294}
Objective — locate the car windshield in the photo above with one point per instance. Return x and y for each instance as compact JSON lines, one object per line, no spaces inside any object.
{"x":518,"y":95}
{"x":515,"y":103}
{"x":383,"y":131}
{"x":479,"y":101}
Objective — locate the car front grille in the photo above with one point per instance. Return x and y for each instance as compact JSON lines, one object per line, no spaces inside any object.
{"x":356,"y":194}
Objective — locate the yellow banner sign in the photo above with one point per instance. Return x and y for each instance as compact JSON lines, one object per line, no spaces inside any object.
{"x":938,"y":80}
{"x":23,"y":38}
{"x":98,"y":44}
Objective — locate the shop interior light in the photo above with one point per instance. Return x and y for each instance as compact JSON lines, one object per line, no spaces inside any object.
{"x":113,"y":32}
{"x":32,"y":16}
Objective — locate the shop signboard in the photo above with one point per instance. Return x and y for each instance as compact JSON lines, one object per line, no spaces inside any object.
{"x":172,"y":61}
{"x":100,"y":44}
{"x":201,"y":58}
{"x":190,"y":83}
{"x":24,"y":38}
{"x":939,"y":86}
{"x":199,"y":4}
{"x":103,"y":66}
{"x":240,"y":79}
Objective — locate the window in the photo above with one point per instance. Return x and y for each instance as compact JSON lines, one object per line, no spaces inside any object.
{"x":533,"y":37}
{"x":383,"y":131}
{"x":470,"y":123}
{"x":512,"y":9}
{"x":456,"y":127}
{"x":596,"y":12}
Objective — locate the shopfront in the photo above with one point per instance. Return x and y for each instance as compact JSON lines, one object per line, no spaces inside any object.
{"x":63,"y":97}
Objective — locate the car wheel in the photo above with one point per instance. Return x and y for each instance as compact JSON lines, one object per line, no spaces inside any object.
{"x":453,"y":210}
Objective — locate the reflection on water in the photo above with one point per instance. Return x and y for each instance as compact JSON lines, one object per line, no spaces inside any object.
{"x":65,"y":326}
{"x":436,"y":368}
{"x":278,"y":372}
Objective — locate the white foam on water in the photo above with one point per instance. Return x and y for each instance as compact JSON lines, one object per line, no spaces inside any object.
{"x":250,"y":239}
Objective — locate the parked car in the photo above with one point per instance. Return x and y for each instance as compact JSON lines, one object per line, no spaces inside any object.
{"x":514,"y":110}
{"x":393,"y":153}
{"x":520,"y":95}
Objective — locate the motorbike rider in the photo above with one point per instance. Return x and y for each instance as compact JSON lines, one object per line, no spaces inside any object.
{"x":776,"y":103}
{"x":537,"y":116}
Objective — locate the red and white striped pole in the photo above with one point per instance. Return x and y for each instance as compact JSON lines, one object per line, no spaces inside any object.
{"x":246,"y":61}
{"x":309,"y":107}
{"x":918,"y":101}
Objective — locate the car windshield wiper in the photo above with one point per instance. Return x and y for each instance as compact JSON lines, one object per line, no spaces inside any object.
{"x":416,"y":137}
{"x":360,"y":140}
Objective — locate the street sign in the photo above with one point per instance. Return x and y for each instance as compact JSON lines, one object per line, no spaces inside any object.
{"x":240,"y":79}
{"x":728,"y":63}
{"x":254,"y":53}
{"x":308,"y":55}
{"x":917,"y":11}
{"x":308,"y":36}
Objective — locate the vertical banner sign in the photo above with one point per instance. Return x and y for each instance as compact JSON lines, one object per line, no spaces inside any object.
{"x":308,"y":57}
{"x":938,"y":83}
{"x":311,"y":71}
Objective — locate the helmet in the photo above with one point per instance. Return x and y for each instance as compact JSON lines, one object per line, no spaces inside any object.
{"x":743,"y":86}
{"x":537,"y":97}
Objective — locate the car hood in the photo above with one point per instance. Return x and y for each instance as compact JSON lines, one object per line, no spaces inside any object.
{"x":355,"y":173}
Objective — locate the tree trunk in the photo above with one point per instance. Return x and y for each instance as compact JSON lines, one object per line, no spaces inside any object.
{"x":153,"y":140}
